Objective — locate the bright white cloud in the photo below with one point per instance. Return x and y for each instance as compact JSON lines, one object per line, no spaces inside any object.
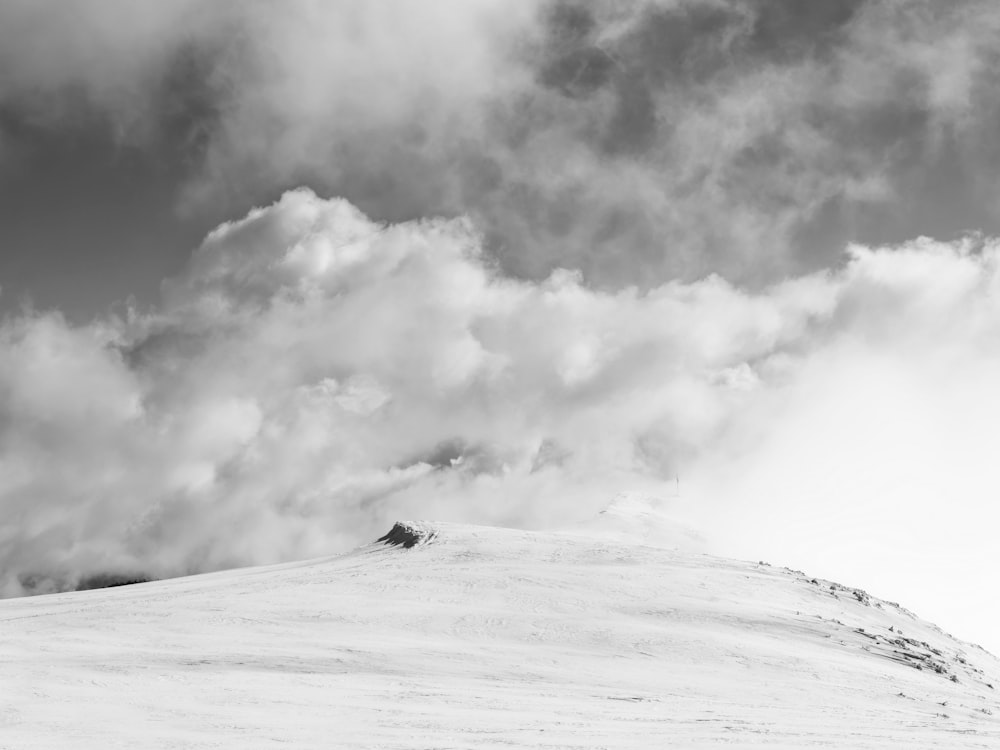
{"x":313,"y":375}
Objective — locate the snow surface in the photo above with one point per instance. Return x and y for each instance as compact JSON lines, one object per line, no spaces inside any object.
{"x":449,"y":636}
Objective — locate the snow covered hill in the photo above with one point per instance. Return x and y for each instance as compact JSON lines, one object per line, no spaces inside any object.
{"x":448,"y":636}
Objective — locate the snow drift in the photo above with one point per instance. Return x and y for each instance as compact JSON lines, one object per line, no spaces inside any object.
{"x":449,"y":635}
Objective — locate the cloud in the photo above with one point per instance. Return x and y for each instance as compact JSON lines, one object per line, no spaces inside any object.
{"x":636,"y":271}
{"x":637,"y":142}
{"x":108,"y":57}
{"x":866,"y":453}
{"x":313,"y":375}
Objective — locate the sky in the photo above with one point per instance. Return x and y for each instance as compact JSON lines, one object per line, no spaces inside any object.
{"x":274,"y":274}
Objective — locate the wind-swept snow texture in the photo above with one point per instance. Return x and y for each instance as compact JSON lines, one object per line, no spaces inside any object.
{"x":446,"y":636}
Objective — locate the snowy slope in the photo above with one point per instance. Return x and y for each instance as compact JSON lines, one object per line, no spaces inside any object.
{"x":447,"y":636}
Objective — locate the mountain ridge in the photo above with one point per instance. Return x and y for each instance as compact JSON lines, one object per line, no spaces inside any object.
{"x":452,"y":635}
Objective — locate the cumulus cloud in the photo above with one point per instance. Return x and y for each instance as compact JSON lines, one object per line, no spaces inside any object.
{"x":313,"y":375}
{"x":637,"y":272}
{"x":637,"y":142}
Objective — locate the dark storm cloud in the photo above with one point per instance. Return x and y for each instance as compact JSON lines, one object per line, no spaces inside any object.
{"x":748,"y":138}
{"x":786,"y":29}
{"x":635,"y":141}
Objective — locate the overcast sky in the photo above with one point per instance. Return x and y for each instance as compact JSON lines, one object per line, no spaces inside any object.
{"x":276,"y":273}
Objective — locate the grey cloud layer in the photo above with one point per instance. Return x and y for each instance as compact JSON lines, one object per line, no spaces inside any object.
{"x":637,"y":142}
